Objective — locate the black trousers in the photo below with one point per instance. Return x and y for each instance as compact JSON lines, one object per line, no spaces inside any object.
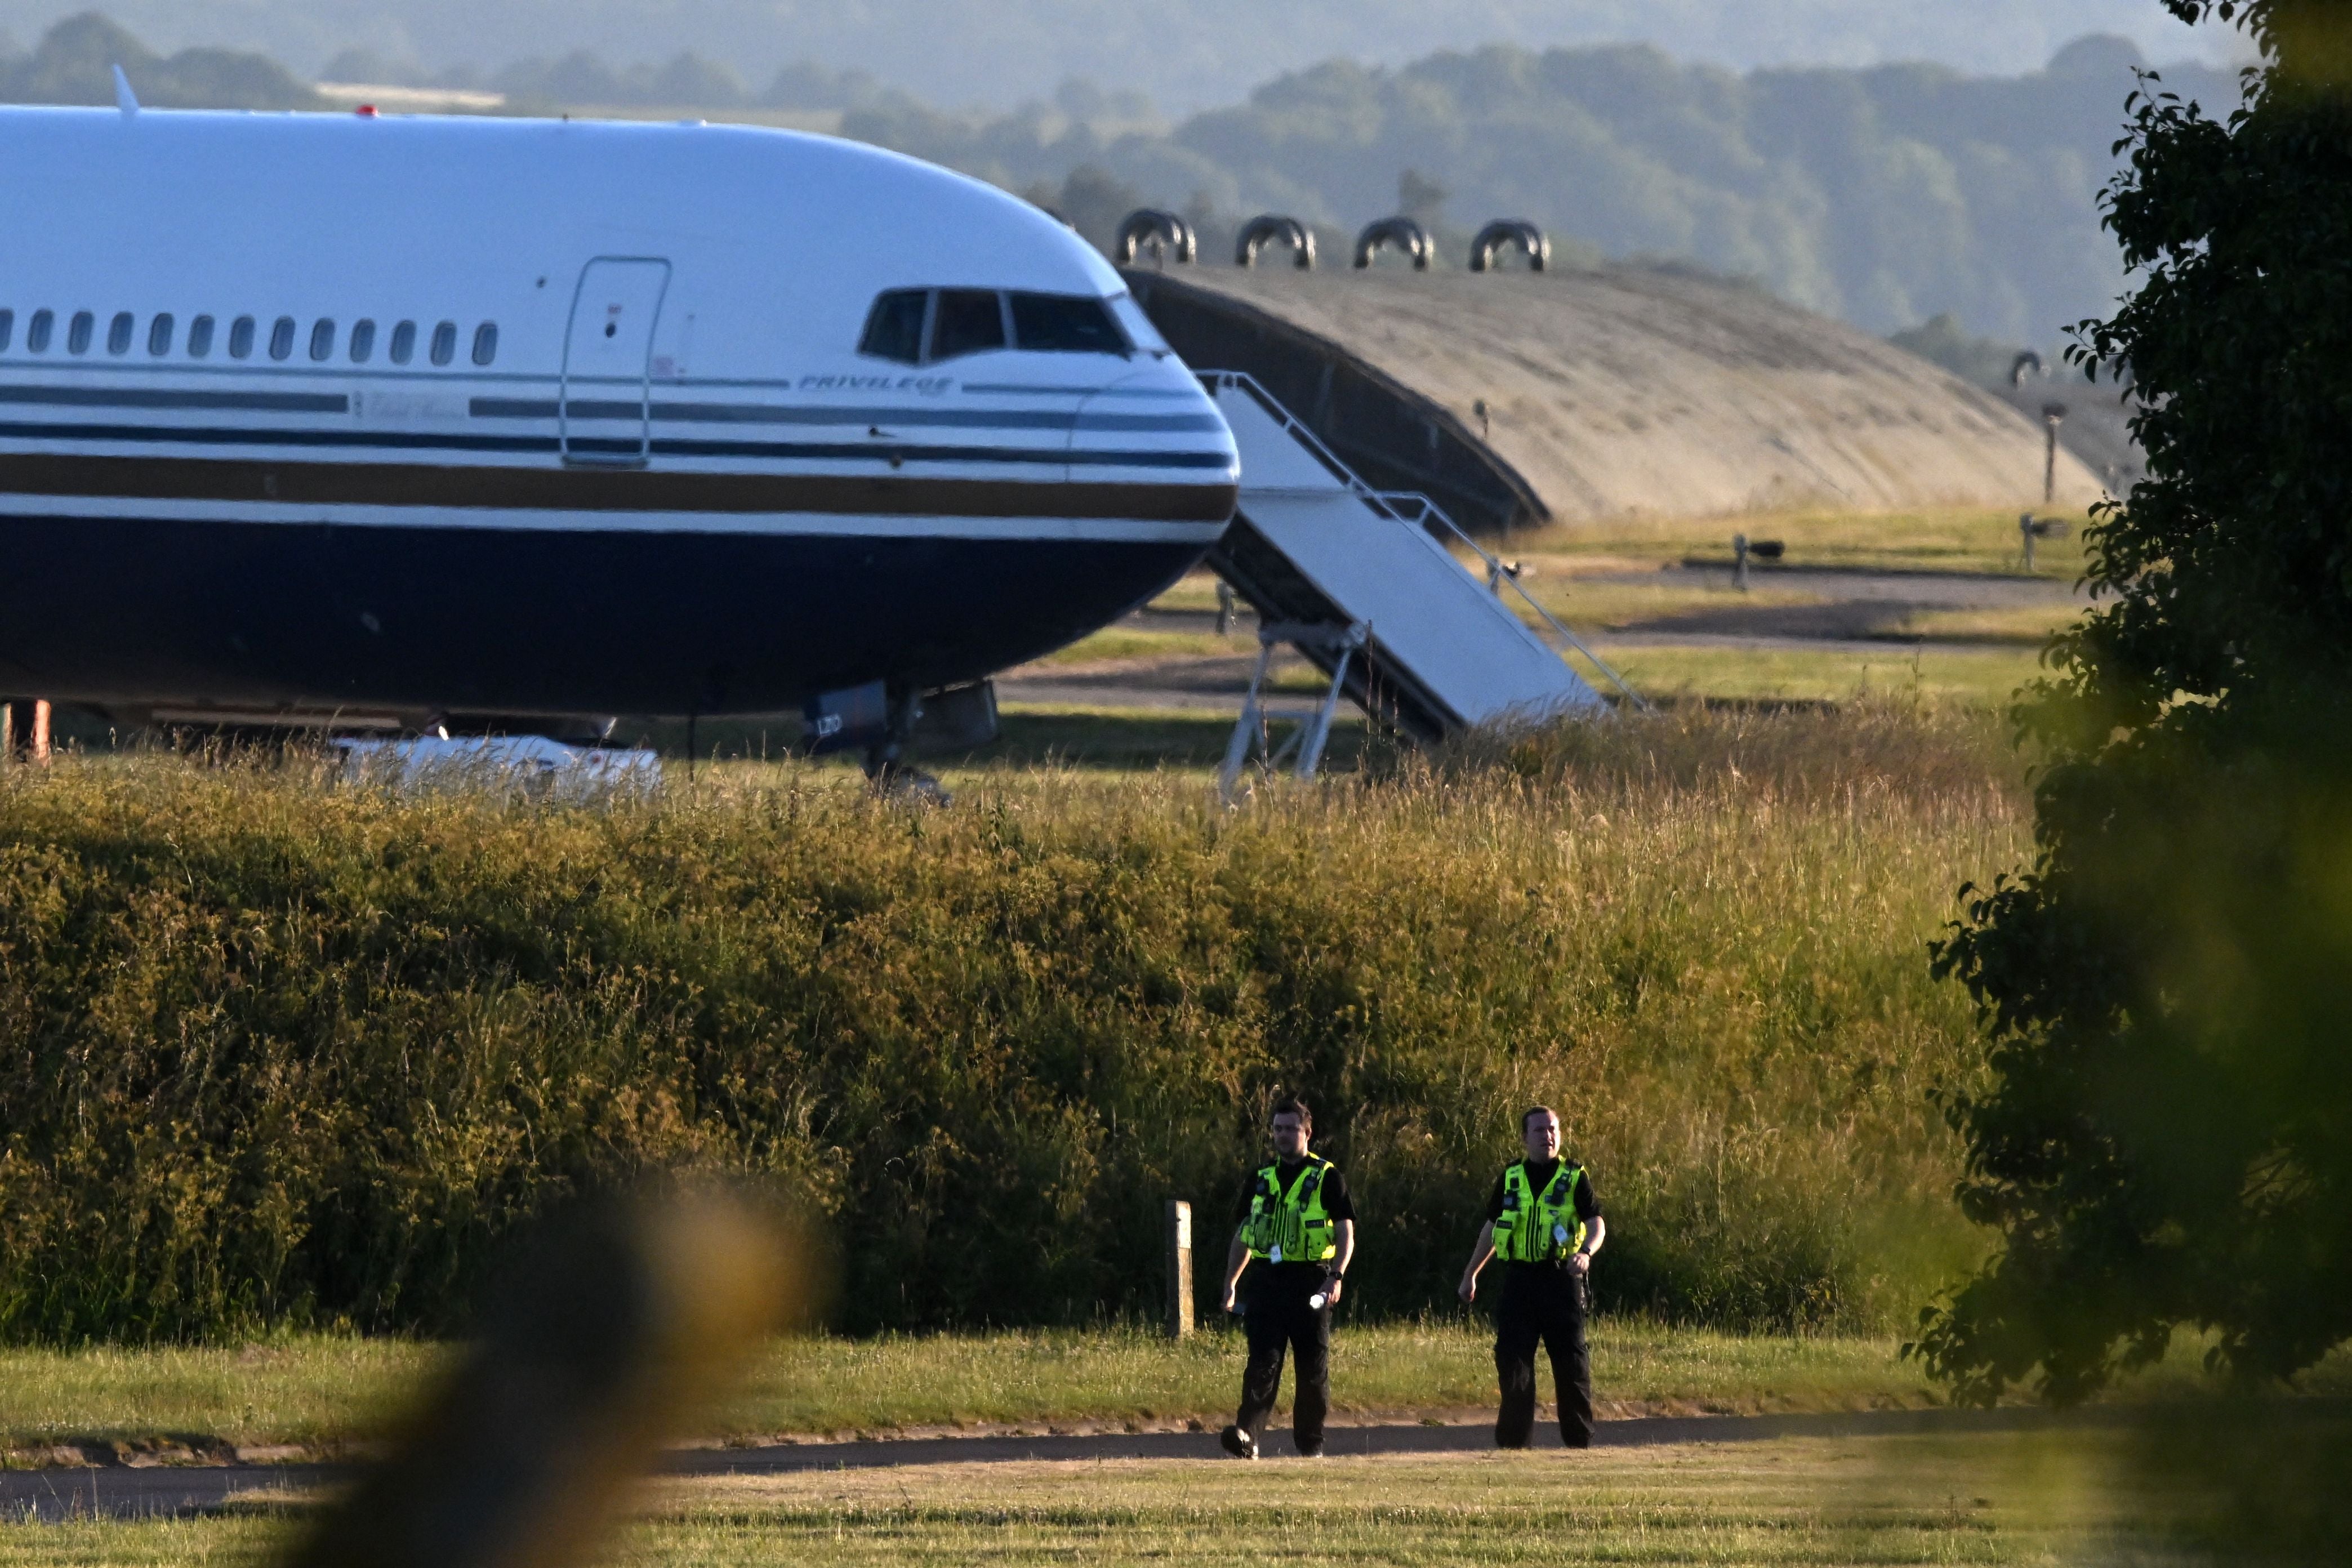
{"x":1276,"y":1319}
{"x":1541,"y":1304}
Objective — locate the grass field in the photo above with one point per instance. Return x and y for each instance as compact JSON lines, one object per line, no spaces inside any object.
{"x":321,"y":1394}
{"x":1118,"y":644}
{"x":1704,"y":931}
{"x":1607,"y":605}
{"x":1991,"y":1500}
{"x":306,"y":1054}
{"x":1103,"y":738}
{"x":1589,"y":576}
{"x":1950,"y":539}
{"x":1982,"y":677}
{"x":1590,"y":604}
{"x":2002,"y":1501}
{"x":1133,"y":741}
{"x":2026,"y":626}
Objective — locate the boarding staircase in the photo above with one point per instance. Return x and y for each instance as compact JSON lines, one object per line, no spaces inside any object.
{"x":1359,"y":583}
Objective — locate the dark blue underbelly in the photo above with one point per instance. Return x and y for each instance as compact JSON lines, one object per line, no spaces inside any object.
{"x":145,"y":612}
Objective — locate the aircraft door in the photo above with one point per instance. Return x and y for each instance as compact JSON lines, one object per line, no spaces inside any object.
{"x":606,"y":413}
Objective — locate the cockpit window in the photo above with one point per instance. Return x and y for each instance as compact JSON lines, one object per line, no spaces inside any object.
{"x":1066,"y":323}
{"x":1140,"y":332}
{"x":895,"y":329}
{"x":966,"y":322}
{"x":924,"y":326}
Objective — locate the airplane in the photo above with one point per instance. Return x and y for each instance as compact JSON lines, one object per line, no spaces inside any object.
{"x":397,"y":422}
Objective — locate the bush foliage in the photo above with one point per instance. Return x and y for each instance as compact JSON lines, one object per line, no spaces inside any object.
{"x":2165,"y":1140}
{"x":277,"y":1051}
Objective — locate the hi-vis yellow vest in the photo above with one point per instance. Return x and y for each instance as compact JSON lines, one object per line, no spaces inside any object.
{"x":1292,"y":1227}
{"x":1538,"y":1227}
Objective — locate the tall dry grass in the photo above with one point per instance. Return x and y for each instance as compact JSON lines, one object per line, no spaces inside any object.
{"x":277,"y":1051}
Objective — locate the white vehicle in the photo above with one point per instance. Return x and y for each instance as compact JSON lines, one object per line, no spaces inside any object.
{"x":428,"y":417}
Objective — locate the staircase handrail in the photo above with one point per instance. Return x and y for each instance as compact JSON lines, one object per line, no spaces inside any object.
{"x":1497,"y":574}
{"x":1388,"y":502}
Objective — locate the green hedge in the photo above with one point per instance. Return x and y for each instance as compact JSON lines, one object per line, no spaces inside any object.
{"x":275,"y":1051}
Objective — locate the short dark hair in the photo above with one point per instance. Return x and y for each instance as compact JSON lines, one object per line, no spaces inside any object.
{"x":1291,"y":1105}
{"x":1531,"y":1113}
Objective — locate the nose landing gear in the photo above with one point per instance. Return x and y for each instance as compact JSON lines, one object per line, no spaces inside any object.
{"x":888,"y":724}
{"x":888,"y":768}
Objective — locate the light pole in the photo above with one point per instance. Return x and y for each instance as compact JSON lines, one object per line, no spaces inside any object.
{"x":2051,"y":414}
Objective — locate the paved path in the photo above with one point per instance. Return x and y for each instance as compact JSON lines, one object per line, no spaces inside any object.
{"x":1920,"y":584}
{"x":159,"y":1491}
{"x":122,"y":1493}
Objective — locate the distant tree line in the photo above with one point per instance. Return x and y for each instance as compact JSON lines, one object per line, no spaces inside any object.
{"x":73,"y":64}
{"x":1886,"y":196}
{"x":75,"y":61}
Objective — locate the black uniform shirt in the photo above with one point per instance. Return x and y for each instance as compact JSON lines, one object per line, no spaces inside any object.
{"x":1336,"y":1203}
{"x":1539,"y":1175}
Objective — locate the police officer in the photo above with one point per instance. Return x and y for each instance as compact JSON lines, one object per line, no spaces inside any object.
{"x":1544,"y":1222}
{"x":1295,"y":1215}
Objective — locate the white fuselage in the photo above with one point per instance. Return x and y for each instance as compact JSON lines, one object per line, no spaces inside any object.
{"x":528,"y":417}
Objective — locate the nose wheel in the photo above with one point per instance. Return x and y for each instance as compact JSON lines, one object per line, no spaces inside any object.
{"x":889,"y":772}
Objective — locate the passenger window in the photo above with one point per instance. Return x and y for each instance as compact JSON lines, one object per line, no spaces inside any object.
{"x":200,"y":336}
{"x":118,"y":331}
{"x":7,"y":328}
{"x":159,"y":335}
{"x":1066,"y":323}
{"x":445,"y":342}
{"x":37,"y":330}
{"x":281,"y":338}
{"x":363,"y":340}
{"x":967,"y":321}
{"x":77,"y":332}
{"x":403,"y":343}
{"x":486,"y":342}
{"x":240,"y":338}
{"x":322,"y":338}
{"x":894,"y":329}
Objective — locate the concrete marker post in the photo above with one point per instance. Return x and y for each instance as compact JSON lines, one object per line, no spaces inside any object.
{"x":1180,"y":1268}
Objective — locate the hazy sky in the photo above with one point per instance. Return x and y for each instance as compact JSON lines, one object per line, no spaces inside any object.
{"x":1187,"y":53}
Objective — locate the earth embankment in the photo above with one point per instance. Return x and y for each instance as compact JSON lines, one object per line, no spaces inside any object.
{"x":1621,"y":392}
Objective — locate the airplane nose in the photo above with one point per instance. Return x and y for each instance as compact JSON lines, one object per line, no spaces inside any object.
{"x":1159,"y":412}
